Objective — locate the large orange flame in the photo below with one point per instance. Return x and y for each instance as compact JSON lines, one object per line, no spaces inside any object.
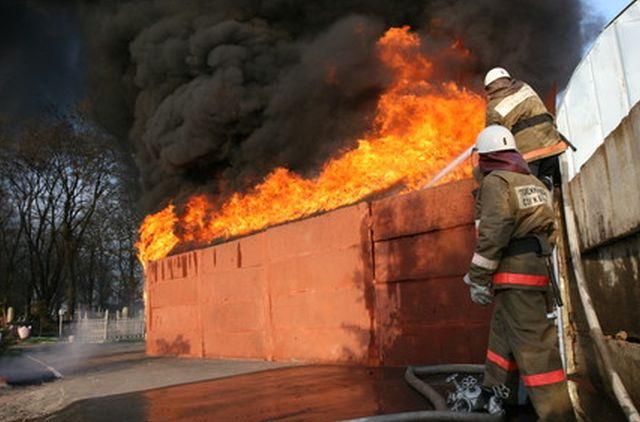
{"x":419,"y":127}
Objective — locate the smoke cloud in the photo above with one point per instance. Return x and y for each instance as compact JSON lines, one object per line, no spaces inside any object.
{"x":41,"y":58}
{"x":212,"y":95}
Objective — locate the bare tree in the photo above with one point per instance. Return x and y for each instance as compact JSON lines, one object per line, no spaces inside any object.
{"x":67,"y":224}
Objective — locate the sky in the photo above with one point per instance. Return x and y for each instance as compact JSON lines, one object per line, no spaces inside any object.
{"x":608,"y":8}
{"x":42,"y":62}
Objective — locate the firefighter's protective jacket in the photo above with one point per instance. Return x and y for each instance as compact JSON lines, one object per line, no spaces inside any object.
{"x":518,"y":107}
{"x":511,"y":206}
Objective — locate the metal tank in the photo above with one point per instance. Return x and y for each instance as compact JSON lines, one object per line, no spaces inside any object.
{"x":600,"y":113}
{"x":603,"y":88}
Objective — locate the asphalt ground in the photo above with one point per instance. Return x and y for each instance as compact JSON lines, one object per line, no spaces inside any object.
{"x":118,"y":382}
{"x":98,"y":370}
{"x":304,"y":393}
{"x":311,"y":393}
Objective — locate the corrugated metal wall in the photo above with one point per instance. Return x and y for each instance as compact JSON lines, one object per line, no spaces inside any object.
{"x":604,"y":87}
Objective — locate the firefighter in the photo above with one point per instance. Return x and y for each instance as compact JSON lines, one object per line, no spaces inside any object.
{"x":515,"y":105}
{"x":516,"y":223}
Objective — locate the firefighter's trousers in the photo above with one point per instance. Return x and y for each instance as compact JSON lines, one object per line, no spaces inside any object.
{"x":523,"y":342}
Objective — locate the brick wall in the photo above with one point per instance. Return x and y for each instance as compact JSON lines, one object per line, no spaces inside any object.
{"x":373,"y":283}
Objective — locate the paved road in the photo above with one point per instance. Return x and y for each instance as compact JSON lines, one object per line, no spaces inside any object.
{"x":90,"y":371}
{"x":309,"y":393}
{"x":118,"y":382}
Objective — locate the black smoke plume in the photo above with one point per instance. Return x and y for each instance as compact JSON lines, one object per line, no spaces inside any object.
{"x":42,"y":55}
{"x":212,"y":95}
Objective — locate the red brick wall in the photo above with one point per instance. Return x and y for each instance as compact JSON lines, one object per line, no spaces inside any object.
{"x":374,"y":283}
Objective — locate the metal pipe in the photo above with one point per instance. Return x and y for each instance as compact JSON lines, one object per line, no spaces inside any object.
{"x":559,"y":311}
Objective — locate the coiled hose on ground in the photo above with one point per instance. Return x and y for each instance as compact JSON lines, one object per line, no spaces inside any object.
{"x":441,"y":412}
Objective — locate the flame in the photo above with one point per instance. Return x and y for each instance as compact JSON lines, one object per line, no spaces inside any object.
{"x":419,"y":127}
{"x":157,"y":238}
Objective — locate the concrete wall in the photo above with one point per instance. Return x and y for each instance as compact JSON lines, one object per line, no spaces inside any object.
{"x":423,"y":242}
{"x":373,"y":283}
{"x":606,"y":199}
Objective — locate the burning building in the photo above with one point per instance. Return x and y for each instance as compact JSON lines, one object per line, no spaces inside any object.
{"x":377,"y":282}
{"x":348,"y":286}
{"x":416,"y":132}
{"x":251,"y":119}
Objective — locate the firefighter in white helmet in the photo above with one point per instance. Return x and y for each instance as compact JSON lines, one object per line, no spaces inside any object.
{"x":515,"y":227}
{"x":515,"y":105}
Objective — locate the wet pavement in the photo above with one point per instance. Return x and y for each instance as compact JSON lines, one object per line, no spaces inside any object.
{"x":120,"y":383}
{"x":300,"y":393}
{"x":100,"y":370}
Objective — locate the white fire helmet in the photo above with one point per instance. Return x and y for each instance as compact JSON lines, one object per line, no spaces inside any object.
{"x":495,"y":138}
{"x":495,"y":74}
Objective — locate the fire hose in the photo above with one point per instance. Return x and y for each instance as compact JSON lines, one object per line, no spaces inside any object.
{"x":441,"y":412}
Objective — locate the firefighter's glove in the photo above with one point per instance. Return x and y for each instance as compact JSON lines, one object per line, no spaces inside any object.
{"x":480,"y":294}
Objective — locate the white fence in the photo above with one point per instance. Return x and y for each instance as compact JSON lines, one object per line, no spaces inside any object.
{"x":106,"y":329}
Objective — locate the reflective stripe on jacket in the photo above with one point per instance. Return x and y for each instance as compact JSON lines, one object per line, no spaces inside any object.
{"x":511,"y":206}
{"x":516,"y":103}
